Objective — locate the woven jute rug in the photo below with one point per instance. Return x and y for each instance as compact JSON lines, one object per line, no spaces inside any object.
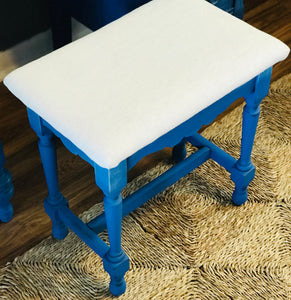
{"x":190,"y":241}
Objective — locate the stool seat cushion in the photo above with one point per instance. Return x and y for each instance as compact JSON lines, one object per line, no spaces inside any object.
{"x":120,"y":88}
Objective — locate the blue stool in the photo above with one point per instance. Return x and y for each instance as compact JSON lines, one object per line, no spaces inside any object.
{"x":6,"y":190}
{"x":144,"y":82}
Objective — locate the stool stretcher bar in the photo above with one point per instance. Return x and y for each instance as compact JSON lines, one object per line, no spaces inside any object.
{"x":216,"y":153}
{"x":82,"y":231}
{"x":154,"y":187}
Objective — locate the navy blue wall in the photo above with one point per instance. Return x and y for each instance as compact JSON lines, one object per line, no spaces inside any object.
{"x":97,"y":13}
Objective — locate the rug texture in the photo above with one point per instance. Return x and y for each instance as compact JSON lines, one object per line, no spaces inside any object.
{"x":190,"y":241}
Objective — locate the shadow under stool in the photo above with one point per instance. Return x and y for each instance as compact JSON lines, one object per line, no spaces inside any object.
{"x":6,"y":190}
{"x":144,"y":82}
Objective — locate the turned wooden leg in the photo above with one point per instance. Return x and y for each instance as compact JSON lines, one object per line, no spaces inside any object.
{"x":6,"y":190}
{"x":244,"y":171}
{"x":55,"y":200}
{"x":115,"y":261}
{"x":244,"y":166}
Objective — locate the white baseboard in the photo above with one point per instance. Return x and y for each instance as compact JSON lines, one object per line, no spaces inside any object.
{"x":33,"y":48}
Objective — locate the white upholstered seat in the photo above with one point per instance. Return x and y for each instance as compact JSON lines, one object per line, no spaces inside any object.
{"x":120,"y":88}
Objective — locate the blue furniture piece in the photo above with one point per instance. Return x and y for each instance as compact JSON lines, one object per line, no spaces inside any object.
{"x":138,"y":85}
{"x":95,"y":14}
{"x":6,"y":190}
{"x":234,"y":7}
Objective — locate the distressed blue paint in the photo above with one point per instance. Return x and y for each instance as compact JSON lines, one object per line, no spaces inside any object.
{"x":113,"y":180}
{"x":6,"y":190}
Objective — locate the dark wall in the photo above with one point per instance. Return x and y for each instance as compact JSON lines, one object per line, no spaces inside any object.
{"x":21,"y":19}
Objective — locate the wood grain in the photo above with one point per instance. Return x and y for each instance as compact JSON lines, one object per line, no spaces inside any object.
{"x":30,"y":224}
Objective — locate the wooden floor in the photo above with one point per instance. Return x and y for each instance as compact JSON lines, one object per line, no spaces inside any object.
{"x":30,"y":223}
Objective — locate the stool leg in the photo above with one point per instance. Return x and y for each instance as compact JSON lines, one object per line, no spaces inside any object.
{"x":179,"y":152}
{"x":6,"y":190}
{"x":244,"y":171}
{"x":115,"y":261}
{"x":55,"y":200}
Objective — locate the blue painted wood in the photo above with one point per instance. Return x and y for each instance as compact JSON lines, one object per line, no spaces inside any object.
{"x":55,"y":201}
{"x":83,"y":231}
{"x":113,"y":180}
{"x":115,"y":262}
{"x":6,"y":190}
{"x":216,"y":153}
{"x":154,"y":187}
{"x":244,"y":169}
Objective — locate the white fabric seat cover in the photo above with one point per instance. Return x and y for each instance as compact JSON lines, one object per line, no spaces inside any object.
{"x":120,"y":88}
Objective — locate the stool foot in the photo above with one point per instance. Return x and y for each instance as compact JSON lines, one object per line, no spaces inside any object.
{"x":179,"y":152}
{"x":116,"y":268}
{"x":6,"y":212}
{"x":242,"y":178}
{"x":239,"y":196}
{"x":52,"y":206}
